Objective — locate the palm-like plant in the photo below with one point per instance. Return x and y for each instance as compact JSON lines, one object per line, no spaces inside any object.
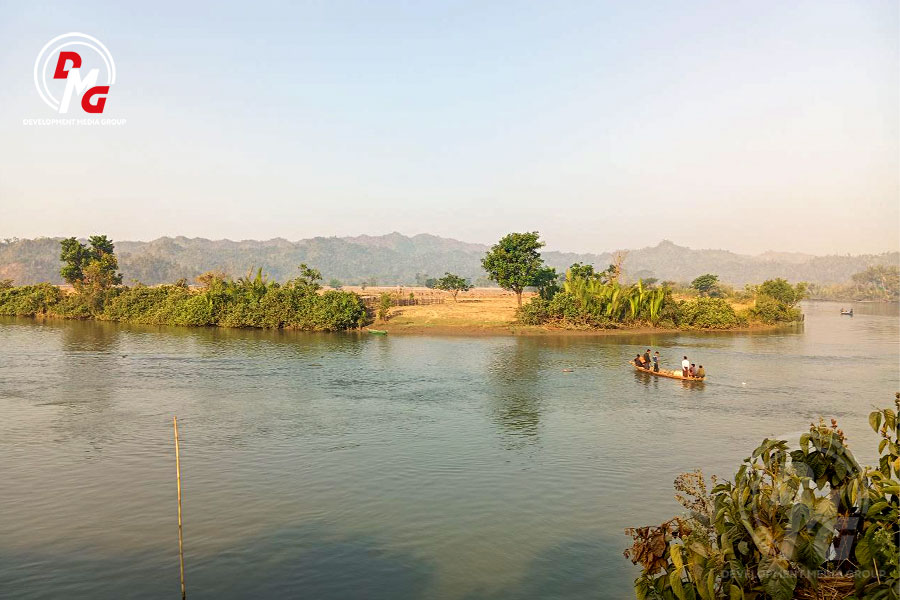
{"x":614,"y":300}
{"x":254,"y":286}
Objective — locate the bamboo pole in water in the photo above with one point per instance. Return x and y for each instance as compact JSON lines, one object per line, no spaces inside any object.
{"x":180,"y":534}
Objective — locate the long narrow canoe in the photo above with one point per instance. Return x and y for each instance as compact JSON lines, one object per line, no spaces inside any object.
{"x":377,"y":331}
{"x":664,"y":373}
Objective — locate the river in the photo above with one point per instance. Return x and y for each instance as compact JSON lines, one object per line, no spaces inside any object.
{"x":354,"y":466}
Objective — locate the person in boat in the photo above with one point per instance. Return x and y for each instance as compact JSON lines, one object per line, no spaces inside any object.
{"x":638,"y":361}
{"x":701,"y":372}
{"x":685,"y":367}
{"x":693,"y":370}
{"x":647,"y":359}
{"x":656,"y":362}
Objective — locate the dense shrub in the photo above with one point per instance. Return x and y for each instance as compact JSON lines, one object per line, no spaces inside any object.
{"x":339,"y":310}
{"x":776,"y":300}
{"x":707,"y":313}
{"x":29,"y":300}
{"x":770,"y":310}
{"x":296,"y":305}
{"x":564,"y":310}
{"x":534,"y":312}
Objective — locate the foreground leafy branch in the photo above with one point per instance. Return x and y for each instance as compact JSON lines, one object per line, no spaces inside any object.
{"x":808,"y":523}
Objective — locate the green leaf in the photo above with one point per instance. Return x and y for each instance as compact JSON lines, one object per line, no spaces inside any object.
{"x":875,"y":420}
{"x":876,"y":508}
{"x":775,"y":578}
{"x":677,"y":587}
{"x":864,"y":550}
{"x":735,"y":593}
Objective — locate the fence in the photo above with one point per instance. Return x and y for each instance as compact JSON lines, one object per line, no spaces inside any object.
{"x":371,"y":301}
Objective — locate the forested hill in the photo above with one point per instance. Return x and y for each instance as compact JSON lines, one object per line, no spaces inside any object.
{"x":398,"y":259}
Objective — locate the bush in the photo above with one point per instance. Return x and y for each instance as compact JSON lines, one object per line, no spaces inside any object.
{"x":707,"y":313}
{"x":564,"y":310}
{"x":29,"y":300}
{"x":782,"y":291}
{"x":534,"y":312}
{"x":224,"y":303}
{"x":339,"y":310}
{"x":770,"y":310}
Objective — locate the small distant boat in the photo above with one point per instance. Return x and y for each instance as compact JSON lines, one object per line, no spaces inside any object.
{"x":377,"y":331}
{"x":848,"y":313}
{"x":669,"y":374}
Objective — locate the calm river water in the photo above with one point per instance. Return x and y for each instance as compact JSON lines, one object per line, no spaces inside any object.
{"x":356,"y":466}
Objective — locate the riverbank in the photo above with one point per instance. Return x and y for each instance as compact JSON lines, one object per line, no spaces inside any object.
{"x":478,"y":312}
{"x":491,"y":311}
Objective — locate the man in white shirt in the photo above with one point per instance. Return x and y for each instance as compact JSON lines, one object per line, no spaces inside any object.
{"x":685,"y":367}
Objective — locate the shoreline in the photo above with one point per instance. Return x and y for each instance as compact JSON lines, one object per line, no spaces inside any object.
{"x":467,"y":330}
{"x":514,"y":330}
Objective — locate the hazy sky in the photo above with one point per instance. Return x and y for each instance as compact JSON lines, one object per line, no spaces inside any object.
{"x":741,"y":125}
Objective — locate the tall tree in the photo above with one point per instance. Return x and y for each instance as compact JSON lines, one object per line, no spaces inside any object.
{"x":514,"y":261}
{"x":93,"y":266}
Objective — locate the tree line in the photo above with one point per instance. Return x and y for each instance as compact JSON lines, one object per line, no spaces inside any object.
{"x":582,"y":297}
{"x":249,"y":301}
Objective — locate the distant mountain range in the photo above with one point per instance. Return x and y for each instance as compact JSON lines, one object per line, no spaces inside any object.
{"x":397,"y":259}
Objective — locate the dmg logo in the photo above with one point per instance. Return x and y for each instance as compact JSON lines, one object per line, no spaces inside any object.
{"x":69,"y":69}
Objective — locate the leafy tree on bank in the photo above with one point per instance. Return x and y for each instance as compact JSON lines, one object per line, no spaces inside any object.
{"x":384,"y":306}
{"x":547,"y":283}
{"x":308,"y":280}
{"x":776,"y":300}
{"x":885,"y":279}
{"x":514,"y":262}
{"x":784,"y":292}
{"x":705,"y":283}
{"x":583,"y":271}
{"x":453,"y":284}
{"x":92,"y":267}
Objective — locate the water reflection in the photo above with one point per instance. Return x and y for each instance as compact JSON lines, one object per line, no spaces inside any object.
{"x":514,"y":377}
{"x":304,"y":561}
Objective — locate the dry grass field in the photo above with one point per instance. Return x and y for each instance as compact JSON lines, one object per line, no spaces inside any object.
{"x":480,"y":310}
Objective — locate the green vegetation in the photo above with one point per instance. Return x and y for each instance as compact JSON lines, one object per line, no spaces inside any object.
{"x":385,"y":301}
{"x":251,"y":301}
{"x":453,"y":284}
{"x":771,"y":533}
{"x":776,"y":300}
{"x":878,"y":282}
{"x":708,"y":313}
{"x":91,"y":266}
{"x":591,"y":300}
{"x":514,"y":262}
{"x":706,"y":284}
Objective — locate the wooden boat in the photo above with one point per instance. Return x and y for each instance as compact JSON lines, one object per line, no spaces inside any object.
{"x":848,"y":313}
{"x":664,"y":373}
{"x":377,"y":331}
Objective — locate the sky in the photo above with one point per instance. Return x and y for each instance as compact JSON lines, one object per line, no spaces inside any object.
{"x":747,"y":126}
